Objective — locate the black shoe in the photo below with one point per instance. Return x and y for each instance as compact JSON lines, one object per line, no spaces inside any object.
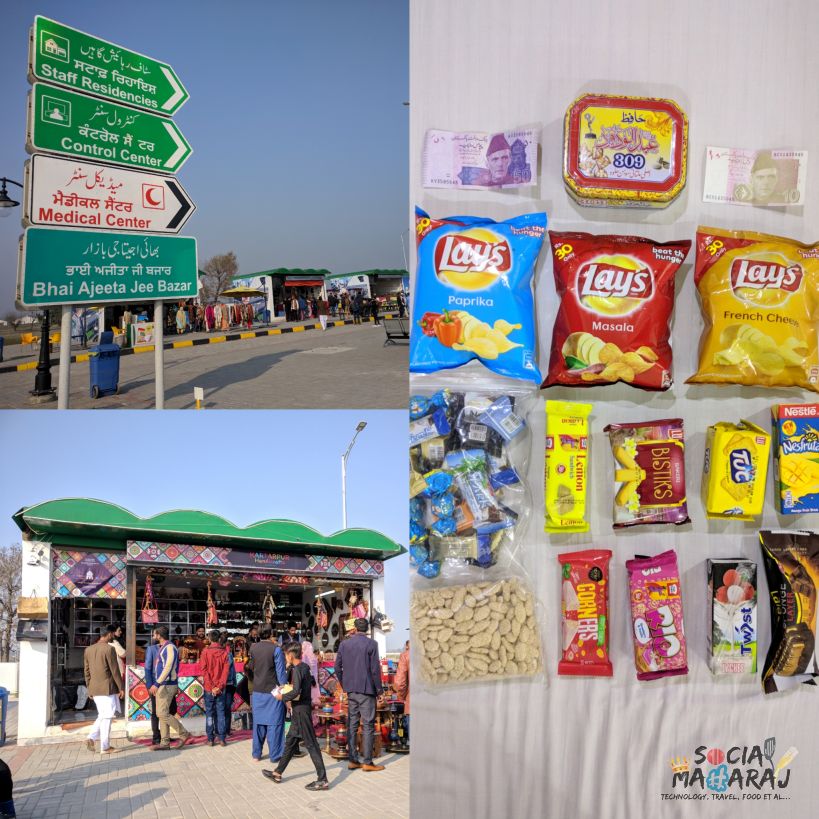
{"x":273,"y":776}
{"x":299,"y":754}
{"x":318,"y":785}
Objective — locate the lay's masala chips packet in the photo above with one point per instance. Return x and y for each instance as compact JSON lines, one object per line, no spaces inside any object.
{"x":473,"y":294}
{"x":760,"y":300}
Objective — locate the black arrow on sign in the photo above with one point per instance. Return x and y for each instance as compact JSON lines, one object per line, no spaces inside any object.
{"x":186,"y":206}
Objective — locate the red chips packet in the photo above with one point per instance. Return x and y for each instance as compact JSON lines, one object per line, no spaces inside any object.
{"x":585,"y":634}
{"x":616,"y":297}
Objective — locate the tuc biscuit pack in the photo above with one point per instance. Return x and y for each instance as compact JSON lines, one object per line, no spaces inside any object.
{"x":759,"y":300}
{"x":473,"y":294}
{"x":616,"y":297}
{"x":796,"y":457}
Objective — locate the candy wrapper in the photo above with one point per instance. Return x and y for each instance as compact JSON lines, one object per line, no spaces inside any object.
{"x":792,"y":569}
{"x":796,"y":457}
{"x":657,"y":616}
{"x":732,"y":599}
{"x":616,"y":297}
{"x":585,"y":609}
{"x":466,"y":495}
{"x":649,"y":473}
{"x":758,"y":296}
{"x":478,"y":631}
{"x":736,"y":466}
{"x":567,"y":452}
{"x":473,"y":294}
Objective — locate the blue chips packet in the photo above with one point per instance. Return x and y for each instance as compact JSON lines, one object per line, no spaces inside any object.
{"x":473,"y":294}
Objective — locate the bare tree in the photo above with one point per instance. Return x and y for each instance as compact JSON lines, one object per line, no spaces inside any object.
{"x":10,"y":583}
{"x":219,"y":272}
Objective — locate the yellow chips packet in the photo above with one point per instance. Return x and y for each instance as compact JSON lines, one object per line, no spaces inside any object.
{"x":760,"y":301}
{"x":567,"y":452}
{"x":736,"y":467}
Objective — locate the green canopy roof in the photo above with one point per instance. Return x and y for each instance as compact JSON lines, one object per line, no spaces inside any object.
{"x":387,"y":274}
{"x":287,"y":271}
{"x":94,"y":523}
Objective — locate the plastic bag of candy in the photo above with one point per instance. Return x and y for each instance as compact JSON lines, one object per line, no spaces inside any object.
{"x":468,"y":499}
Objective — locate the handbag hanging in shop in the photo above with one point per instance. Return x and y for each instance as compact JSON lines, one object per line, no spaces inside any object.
{"x":149,"y":614}
{"x":32,"y":608}
{"x":212,"y":616}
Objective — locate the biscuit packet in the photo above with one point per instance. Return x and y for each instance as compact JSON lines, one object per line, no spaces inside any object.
{"x":616,"y":297}
{"x":649,"y":472}
{"x":565,"y":466}
{"x":792,"y":568}
{"x":736,"y":466}
{"x":658,"y":632}
{"x":758,"y":298}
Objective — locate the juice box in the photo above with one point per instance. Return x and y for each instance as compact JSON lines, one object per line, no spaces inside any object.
{"x":733,"y":634}
{"x":796,"y":457}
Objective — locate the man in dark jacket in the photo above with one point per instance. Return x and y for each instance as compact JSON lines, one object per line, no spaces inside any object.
{"x":301,"y":724}
{"x":269,"y":671}
{"x":215,"y":667}
{"x":358,"y":670}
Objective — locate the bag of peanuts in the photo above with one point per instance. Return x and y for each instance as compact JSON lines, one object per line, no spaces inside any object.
{"x":468,"y":501}
{"x":616,"y":297}
{"x":475,"y":632}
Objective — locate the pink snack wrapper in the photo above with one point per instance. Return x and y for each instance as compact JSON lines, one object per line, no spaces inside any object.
{"x":657,"y":616}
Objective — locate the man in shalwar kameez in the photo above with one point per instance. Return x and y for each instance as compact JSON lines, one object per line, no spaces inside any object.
{"x":269,"y":671}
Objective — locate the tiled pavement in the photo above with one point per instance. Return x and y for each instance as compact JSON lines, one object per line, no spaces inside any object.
{"x":66,"y":780}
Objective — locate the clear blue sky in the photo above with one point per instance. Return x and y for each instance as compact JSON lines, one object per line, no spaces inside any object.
{"x":299,"y":135}
{"x":243,"y":465}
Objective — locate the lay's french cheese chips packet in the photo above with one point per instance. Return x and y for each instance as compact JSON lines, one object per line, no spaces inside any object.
{"x":473,"y":294}
{"x":760,"y":300}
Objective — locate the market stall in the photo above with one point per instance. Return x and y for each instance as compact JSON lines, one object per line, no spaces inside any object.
{"x":98,"y":560}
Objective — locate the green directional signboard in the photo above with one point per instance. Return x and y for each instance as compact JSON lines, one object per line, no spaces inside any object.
{"x":64,"y":266}
{"x":71,"y":58}
{"x":65,"y":122}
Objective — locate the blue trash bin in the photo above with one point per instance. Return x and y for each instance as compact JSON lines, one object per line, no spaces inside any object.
{"x":104,"y":366}
{"x":4,"y":707}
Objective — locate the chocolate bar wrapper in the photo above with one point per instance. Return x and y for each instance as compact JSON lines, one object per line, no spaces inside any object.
{"x":658,"y":632}
{"x":732,"y":638}
{"x":792,"y":568}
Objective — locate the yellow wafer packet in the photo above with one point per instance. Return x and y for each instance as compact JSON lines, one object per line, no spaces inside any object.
{"x":736,"y":466}
{"x":567,"y":451}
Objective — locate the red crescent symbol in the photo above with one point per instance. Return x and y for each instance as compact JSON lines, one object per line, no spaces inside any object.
{"x":148,"y":193}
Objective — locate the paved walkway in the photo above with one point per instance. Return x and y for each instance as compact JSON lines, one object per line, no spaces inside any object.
{"x":66,"y":781}
{"x":344,"y":367}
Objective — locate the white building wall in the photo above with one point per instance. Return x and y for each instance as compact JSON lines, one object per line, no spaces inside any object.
{"x":32,"y":710}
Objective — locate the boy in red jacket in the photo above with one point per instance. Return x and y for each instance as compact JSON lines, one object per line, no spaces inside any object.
{"x":214,"y":663}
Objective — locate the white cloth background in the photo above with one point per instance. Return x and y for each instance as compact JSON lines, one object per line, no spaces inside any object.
{"x":745,"y":73}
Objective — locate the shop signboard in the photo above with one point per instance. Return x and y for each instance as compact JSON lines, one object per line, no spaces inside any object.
{"x":348,"y":284}
{"x":218,"y":557}
{"x":64,"y":266}
{"x":66,"y":56}
{"x":65,"y":122}
{"x":78,"y":194}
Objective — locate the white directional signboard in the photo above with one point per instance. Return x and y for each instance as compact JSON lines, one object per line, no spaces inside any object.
{"x":79,"y":194}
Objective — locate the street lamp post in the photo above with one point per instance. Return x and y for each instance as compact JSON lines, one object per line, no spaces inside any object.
{"x":361,"y":425}
{"x":6,"y":202}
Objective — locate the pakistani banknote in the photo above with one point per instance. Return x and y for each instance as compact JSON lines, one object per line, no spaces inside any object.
{"x":472,"y":159}
{"x":762,"y":178}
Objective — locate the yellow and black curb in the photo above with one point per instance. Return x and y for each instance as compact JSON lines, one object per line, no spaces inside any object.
{"x":196,"y":342}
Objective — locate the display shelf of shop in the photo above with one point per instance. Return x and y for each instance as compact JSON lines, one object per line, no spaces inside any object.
{"x":90,"y":618}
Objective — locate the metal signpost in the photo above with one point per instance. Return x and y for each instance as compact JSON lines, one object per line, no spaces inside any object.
{"x":66,"y":56}
{"x":65,"y":122}
{"x":100,"y":105}
{"x":77,"y":194}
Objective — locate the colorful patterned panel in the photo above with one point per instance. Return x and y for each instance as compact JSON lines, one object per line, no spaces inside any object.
{"x":76,"y":573}
{"x":345,"y":566}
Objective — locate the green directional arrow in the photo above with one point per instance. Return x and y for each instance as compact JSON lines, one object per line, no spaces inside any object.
{"x":71,"y":58}
{"x":65,"y":122}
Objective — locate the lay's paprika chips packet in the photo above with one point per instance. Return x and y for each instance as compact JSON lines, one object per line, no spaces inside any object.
{"x":760,"y":301}
{"x":473,"y":294}
{"x":616,"y":297}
